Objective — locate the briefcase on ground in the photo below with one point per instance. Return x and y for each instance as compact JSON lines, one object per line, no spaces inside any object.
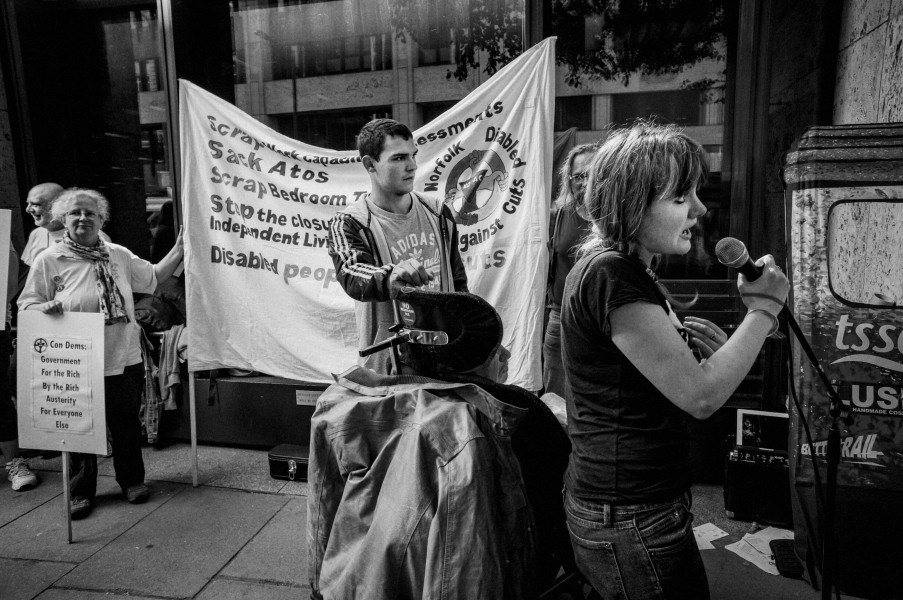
{"x":289,"y":461}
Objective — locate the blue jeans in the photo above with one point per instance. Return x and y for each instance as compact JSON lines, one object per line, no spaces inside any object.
{"x":628,"y":552}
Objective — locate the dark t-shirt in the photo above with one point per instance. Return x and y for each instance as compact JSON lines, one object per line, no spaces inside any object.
{"x":629,"y":442}
{"x":568,"y":230}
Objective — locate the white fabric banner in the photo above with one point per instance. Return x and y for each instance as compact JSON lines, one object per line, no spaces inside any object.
{"x":261,"y":289}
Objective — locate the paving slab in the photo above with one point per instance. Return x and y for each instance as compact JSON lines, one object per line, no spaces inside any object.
{"x":234,"y":468}
{"x":237,"y":469}
{"x":218,"y":466}
{"x":41,"y":533}
{"x":62,"y":594}
{"x":15,"y":504}
{"x":25,"y":579}
{"x":294,"y":488}
{"x":226,"y":589}
{"x":177,"y":549}
{"x":278,"y":554}
{"x":726,"y":571}
{"x":56,"y":463}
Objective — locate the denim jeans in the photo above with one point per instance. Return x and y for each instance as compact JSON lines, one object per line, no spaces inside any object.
{"x":628,"y":552}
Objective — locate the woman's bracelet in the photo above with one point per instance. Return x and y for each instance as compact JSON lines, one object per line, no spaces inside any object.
{"x":774,"y":320}
{"x":777,"y":301}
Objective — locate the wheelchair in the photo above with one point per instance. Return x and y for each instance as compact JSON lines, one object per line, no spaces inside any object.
{"x":425,"y":325}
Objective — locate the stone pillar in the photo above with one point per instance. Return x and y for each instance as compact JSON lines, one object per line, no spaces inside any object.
{"x":258,"y":62}
{"x":403,"y":109}
{"x":601,"y":112}
{"x":711,"y":107}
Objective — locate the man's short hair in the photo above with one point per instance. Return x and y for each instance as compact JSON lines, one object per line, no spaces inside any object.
{"x":372,"y":138}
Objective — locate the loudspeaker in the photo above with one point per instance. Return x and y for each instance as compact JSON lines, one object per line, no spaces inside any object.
{"x":757,"y":492}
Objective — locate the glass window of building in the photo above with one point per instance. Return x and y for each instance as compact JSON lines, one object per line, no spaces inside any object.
{"x":313,"y":69}
{"x":672,"y":106}
{"x":95,"y":114}
{"x":434,"y":110}
{"x":574,"y":111}
{"x":628,"y":73}
{"x":318,"y":70}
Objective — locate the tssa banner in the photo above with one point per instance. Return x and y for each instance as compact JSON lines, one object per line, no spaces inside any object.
{"x":844,"y":199}
{"x":847,"y":272}
{"x":261,"y":290}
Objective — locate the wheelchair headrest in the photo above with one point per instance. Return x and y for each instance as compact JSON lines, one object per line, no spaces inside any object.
{"x":473,"y":327}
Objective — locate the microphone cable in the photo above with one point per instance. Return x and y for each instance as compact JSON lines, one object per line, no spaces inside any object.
{"x":819,"y":487}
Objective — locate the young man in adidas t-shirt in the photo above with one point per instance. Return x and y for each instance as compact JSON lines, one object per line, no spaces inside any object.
{"x":393,"y":236}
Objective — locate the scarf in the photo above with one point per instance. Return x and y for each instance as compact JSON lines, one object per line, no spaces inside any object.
{"x":112,"y":303}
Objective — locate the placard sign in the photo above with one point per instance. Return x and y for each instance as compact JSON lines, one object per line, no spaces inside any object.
{"x":60,"y":382}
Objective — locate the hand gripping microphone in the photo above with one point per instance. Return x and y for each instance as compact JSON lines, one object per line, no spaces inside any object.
{"x":732,"y":253}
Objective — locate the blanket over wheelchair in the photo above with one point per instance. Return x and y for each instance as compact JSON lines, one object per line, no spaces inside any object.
{"x":416,"y":492}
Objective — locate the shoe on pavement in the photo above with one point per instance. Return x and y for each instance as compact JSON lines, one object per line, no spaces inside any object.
{"x":20,"y":475}
{"x":137,"y":494}
{"x":80,"y":507}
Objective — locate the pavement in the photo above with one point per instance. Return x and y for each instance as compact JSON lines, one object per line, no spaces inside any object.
{"x":238,"y":535}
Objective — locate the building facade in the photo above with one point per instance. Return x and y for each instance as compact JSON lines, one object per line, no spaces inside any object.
{"x":89,"y":95}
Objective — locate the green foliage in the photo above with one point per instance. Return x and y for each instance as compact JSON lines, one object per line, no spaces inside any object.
{"x":496,"y":28}
{"x":650,"y":37}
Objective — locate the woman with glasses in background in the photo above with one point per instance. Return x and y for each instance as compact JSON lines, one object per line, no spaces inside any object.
{"x":568,"y":227}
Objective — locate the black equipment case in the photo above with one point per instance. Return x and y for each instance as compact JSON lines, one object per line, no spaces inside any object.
{"x":755,"y":490}
{"x":757,"y":473}
{"x":289,"y":461}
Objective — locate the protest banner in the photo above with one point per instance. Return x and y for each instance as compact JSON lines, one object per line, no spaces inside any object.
{"x":60,"y":396}
{"x":261,"y":290}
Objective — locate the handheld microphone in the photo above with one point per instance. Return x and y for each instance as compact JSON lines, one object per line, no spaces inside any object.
{"x":732,"y":253}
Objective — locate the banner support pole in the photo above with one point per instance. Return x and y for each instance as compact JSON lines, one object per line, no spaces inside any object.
{"x":66,"y":496}
{"x":194,"y":429}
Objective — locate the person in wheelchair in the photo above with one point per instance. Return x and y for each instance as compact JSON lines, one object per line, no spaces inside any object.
{"x":440,"y":481}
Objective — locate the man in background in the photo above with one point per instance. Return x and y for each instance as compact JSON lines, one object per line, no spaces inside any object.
{"x":37,"y":204}
{"x":18,"y":470}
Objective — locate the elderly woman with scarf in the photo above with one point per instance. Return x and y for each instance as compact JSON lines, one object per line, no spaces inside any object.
{"x":83,"y":273}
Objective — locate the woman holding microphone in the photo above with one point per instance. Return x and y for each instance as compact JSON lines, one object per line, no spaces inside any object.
{"x":632,"y":378}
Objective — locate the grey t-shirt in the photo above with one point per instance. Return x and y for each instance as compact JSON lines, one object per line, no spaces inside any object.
{"x":411,"y":235}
